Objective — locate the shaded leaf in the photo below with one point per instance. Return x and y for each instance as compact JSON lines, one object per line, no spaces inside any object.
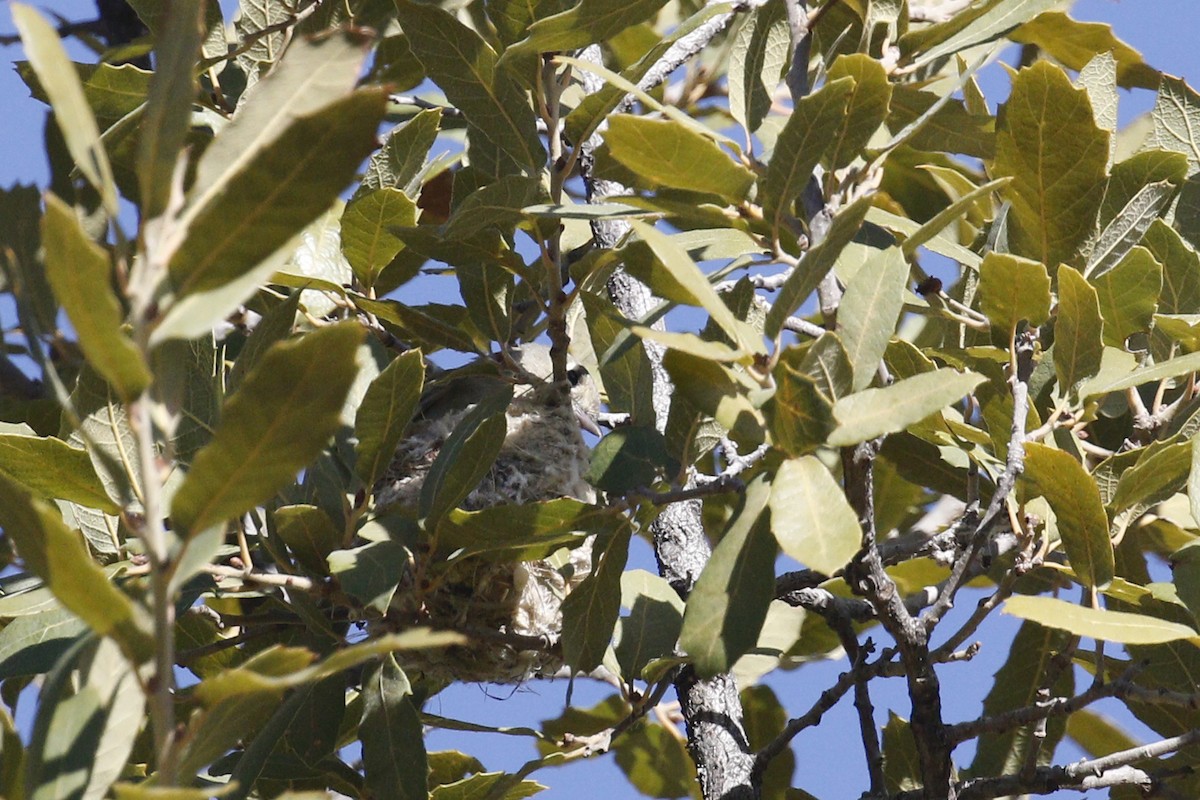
{"x":394,"y":758}
{"x":629,"y":457}
{"x":978,"y":25}
{"x":1127,"y":227}
{"x":467,"y":454}
{"x":801,"y":415}
{"x":1074,"y":43}
{"x":309,"y":533}
{"x":590,"y":611}
{"x":728,"y":604}
{"x":401,"y":160}
{"x":867,"y":105}
{"x":271,"y":428}
{"x":367,"y":240}
{"x":757,"y":62}
{"x":1075,"y":500}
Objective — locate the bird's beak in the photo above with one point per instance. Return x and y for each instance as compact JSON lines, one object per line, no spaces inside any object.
{"x":586,"y":422}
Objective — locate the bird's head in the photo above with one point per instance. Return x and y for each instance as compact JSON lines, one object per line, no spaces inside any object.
{"x":534,"y":359}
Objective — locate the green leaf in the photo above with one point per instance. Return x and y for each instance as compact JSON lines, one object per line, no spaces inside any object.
{"x":867,"y":105}
{"x":726,"y":608}
{"x":467,"y":454}
{"x":1159,"y":473}
{"x":80,"y":274}
{"x":1048,"y":143}
{"x":1075,"y":500}
{"x":31,"y":644}
{"x":1128,"y":295}
{"x":589,"y":21}
{"x":1012,"y":289}
{"x":168,"y":113}
{"x":1135,"y":173}
{"x":667,"y":153}
{"x":873,"y":412}
{"x":498,"y":785}
{"x":757,"y":62}
{"x":1127,"y":227}
{"x":1111,"y":626}
{"x":1078,"y":331}
{"x":693,"y":283}
{"x":869,"y":311}
{"x":393,"y":745}
{"x":1099,"y":78}
{"x":272,"y":188}
{"x":801,"y":415}
{"x":1097,"y":735}
{"x":467,"y":70}
{"x":61,"y":83}
{"x":625,"y":373}
{"x":628,"y":458}
{"x":901,"y":763}
{"x":309,"y":533}
{"x":367,"y":240}
{"x":921,"y":124}
{"x":810,"y":516}
{"x":1181,"y":269}
{"x":1031,"y":658}
{"x":983,"y":23}
{"x":590,"y":611}
{"x":815,"y":264}
{"x":1176,"y":116}
{"x":51,"y":468}
{"x":655,"y":759}
{"x":58,"y":556}
{"x":1073,"y":44}
{"x":806,"y":136}
{"x":384,"y":414}
{"x":271,"y":428}
{"x":401,"y":161}
{"x":826,"y":362}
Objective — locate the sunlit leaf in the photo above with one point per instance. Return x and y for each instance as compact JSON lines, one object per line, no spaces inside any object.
{"x":1012,"y":289}
{"x":810,"y":516}
{"x":874,"y":412}
{"x":869,"y":310}
{"x":1112,"y":626}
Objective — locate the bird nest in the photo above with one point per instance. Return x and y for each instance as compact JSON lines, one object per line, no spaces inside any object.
{"x":511,"y":611}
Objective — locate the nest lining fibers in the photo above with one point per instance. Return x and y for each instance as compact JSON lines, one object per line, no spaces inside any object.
{"x":543,"y":457}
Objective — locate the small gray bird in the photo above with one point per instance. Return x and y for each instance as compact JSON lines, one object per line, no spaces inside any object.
{"x":543,"y":457}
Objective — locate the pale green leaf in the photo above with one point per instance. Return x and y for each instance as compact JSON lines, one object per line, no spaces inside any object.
{"x":590,"y":611}
{"x":869,"y":311}
{"x":1078,"y":331}
{"x":80,"y":273}
{"x":1048,"y":143}
{"x":873,"y":412}
{"x":1159,"y":473}
{"x":982,"y":23}
{"x":61,"y":83}
{"x":757,"y":62}
{"x":866,"y":108}
{"x":801,"y":414}
{"x":401,"y":160}
{"x":1075,"y":500}
{"x":51,"y":468}
{"x":467,"y":454}
{"x":810,"y":516}
{"x":1127,"y":228}
{"x":60,"y":558}
{"x":1111,"y":626}
{"x":1176,"y":116}
{"x":588,"y":21}
{"x":271,"y":428}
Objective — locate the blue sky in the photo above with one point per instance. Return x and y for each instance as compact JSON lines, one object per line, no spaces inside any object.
{"x":1164,"y":31}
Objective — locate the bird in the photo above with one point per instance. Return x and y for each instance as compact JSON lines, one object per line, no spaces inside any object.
{"x":543,"y":457}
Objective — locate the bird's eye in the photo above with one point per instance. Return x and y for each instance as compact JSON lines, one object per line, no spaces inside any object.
{"x":576,"y":374}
